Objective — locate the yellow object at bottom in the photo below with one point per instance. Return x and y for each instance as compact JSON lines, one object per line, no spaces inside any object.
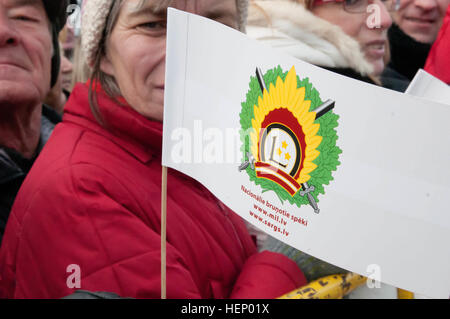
{"x":404,"y":294}
{"x":330,"y":287}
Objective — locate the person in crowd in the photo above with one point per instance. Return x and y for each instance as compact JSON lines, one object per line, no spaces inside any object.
{"x":92,"y":201}
{"x":60,"y":92}
{"x":340,"y":36}
{"x":337,"y":35}
{"x":437,"y":62}
{"x":29,"y":66}
{"x":415,"y":28}
{"x":68,"y":40}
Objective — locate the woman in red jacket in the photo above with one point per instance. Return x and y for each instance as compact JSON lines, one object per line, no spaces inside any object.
{"x":88,"y":216}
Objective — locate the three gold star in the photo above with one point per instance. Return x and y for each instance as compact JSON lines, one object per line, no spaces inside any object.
{"x":287,"y":156}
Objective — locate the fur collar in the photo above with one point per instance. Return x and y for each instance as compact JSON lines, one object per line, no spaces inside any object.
{"x":288,"y":26}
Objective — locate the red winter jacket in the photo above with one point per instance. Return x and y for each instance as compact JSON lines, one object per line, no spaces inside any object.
{"x":93,"y":200}
{"x":438,"y":62}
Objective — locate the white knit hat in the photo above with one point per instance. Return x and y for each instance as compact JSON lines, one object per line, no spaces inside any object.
{"x":95,"y":13}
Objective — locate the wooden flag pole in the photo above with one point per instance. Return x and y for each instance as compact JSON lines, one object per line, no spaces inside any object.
{"x":163,"y":232}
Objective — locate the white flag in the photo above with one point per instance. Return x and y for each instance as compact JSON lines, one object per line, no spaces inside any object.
{"x":351,"y":173}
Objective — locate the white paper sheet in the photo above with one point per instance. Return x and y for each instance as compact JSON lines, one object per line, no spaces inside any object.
{"x":388,"y":203}
{"x":426,"y":86}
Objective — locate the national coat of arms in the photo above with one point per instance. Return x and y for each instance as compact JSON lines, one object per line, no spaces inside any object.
{"x":289,"y":137}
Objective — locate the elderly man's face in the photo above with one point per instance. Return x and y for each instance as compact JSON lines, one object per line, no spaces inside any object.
{"x":136,"y":49}
{"x":421,"y":19}
{"x":25,"y":52}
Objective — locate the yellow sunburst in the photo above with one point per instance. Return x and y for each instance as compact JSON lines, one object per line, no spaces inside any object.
{"x":286,"y":95}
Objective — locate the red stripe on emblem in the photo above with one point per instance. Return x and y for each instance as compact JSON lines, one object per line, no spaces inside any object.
{"x":275,"y":179}
{"x":280,"y":172}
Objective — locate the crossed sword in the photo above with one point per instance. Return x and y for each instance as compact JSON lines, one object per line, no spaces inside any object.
{"x":320,"y":111}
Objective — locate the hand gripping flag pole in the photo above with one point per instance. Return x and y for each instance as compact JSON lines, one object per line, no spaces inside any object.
{"x":163,"y":232}
{"x":320,"y":111}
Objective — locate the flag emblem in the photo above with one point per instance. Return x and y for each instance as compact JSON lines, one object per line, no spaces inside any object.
{"x":289,"y":137}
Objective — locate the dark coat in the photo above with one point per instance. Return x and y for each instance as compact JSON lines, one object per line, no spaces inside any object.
{"x":407,"y":57}
{"x":14,"y":168}
{"x":348,"y":72}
